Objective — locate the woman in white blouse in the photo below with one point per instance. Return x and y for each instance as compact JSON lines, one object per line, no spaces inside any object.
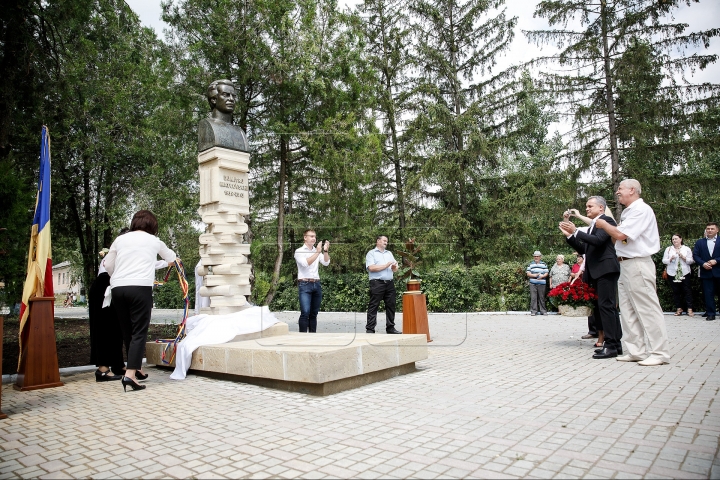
{"x":131,"y":265}
{"x":680,"y":255}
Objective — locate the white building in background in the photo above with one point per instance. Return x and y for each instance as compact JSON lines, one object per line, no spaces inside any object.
{"x":64,"y":283}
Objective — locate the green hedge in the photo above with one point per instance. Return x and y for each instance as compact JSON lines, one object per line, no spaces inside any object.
{"x":482,"y":288}
{"x":449,"y":289}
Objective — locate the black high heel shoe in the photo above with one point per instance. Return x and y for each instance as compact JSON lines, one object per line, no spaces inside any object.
{"x":129,"y":381}
{"x":105,"y":376}
{"x":140,"y":376}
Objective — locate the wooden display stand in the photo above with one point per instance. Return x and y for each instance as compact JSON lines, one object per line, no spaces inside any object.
{"x":415,"y":318}
{"x":2,"y":319}
{"x":39,"y":360}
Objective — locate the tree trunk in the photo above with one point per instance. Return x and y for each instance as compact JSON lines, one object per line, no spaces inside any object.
{"x":89,"y":233}
{"x":388,"y":74}
{"x":281,"y":221}
{"x":398,"y":172}
{"x":610,"y":105}
{"x":459,"y":143}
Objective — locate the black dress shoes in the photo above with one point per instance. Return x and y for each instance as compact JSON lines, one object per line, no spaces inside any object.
{"x":369,"y":331}
{"x":619,"y":350}
{"x":392,"y":331}
{"x":106,"y":376}
{"x":606,"y":353}
{"x":704,"y":314}
{"x":710,"y":317}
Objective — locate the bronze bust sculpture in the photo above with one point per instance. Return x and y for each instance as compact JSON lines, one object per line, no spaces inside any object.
{"x":218,"y":130}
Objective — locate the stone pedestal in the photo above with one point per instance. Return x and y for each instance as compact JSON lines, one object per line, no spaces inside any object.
{"x":224,"y":199}
{"x":316,"y":364}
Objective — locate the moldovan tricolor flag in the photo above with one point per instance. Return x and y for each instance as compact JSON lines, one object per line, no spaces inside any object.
{"x":39,"y":281}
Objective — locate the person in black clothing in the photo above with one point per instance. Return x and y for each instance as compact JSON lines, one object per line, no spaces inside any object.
{"x":706,"y":254}
{"x":106,"y":343}
{"x":602,"y":271}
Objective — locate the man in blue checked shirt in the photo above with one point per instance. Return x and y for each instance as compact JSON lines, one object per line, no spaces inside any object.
{"x":381,"y":265}
{"x":537,"y":272}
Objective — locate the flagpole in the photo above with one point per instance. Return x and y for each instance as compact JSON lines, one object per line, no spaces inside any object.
{"x":38,"y":362}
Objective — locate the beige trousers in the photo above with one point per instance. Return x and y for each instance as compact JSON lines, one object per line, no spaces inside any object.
{"x":640,"y":312}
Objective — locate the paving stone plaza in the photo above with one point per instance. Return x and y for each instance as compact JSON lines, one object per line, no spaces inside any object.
{"x":500,"y":396}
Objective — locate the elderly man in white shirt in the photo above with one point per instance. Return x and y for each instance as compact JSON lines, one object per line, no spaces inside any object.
{"x":636,"y":239}
{"x":308,"y":259}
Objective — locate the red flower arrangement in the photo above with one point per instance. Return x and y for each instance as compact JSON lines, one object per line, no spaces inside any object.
{"x":578,"y":294}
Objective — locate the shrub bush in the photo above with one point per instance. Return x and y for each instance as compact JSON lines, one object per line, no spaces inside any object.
{"x":484,"y":287}
{"x":452,"y":288}
{"x":448,"y":289}
{"x":169,"y":295}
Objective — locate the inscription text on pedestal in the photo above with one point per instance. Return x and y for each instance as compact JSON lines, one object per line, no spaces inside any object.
{"x":233,"y":186}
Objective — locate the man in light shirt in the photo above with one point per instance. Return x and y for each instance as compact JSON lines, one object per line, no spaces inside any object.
{"x":707,"y":255}
{"x":636,"y":239}
{"x":381,"y":266}
{"x":308,"y":259}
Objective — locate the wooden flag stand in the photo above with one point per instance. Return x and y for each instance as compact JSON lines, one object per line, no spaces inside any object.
{"x":2,"y":319}
{"x":39,"y":361}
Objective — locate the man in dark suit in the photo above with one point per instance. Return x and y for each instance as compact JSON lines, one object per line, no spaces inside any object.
{"x":602,"y":271}
{"x":707,"y":255}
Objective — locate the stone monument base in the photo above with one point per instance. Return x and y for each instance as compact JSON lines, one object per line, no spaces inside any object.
{"x":317,"y":364}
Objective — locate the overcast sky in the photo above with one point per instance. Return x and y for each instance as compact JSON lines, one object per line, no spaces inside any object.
{"x":700,"y":16}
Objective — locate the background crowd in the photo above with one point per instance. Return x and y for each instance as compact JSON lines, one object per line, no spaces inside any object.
{"x":687,"y":283}
{"x":618,"y":265}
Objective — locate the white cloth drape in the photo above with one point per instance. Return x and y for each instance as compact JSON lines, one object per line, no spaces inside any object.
{"x":216,"y":329}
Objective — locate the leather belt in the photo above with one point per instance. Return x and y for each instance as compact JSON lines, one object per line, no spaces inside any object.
{"x":622,"y":259}
{"x":380,"y":280}
{"x":311,"y":280}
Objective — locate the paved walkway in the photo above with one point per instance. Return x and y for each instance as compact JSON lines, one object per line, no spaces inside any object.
{"x":500,"y":396}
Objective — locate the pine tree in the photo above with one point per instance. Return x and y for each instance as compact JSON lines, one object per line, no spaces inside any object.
{"x":387,"y":32}
{"x":458,"y":106}
{"x":608,"y":36}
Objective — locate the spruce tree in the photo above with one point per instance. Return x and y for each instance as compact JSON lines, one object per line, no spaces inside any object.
{"x":459,"y":108}
{"x":599,"y":43}
{"x":387,"y":31}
